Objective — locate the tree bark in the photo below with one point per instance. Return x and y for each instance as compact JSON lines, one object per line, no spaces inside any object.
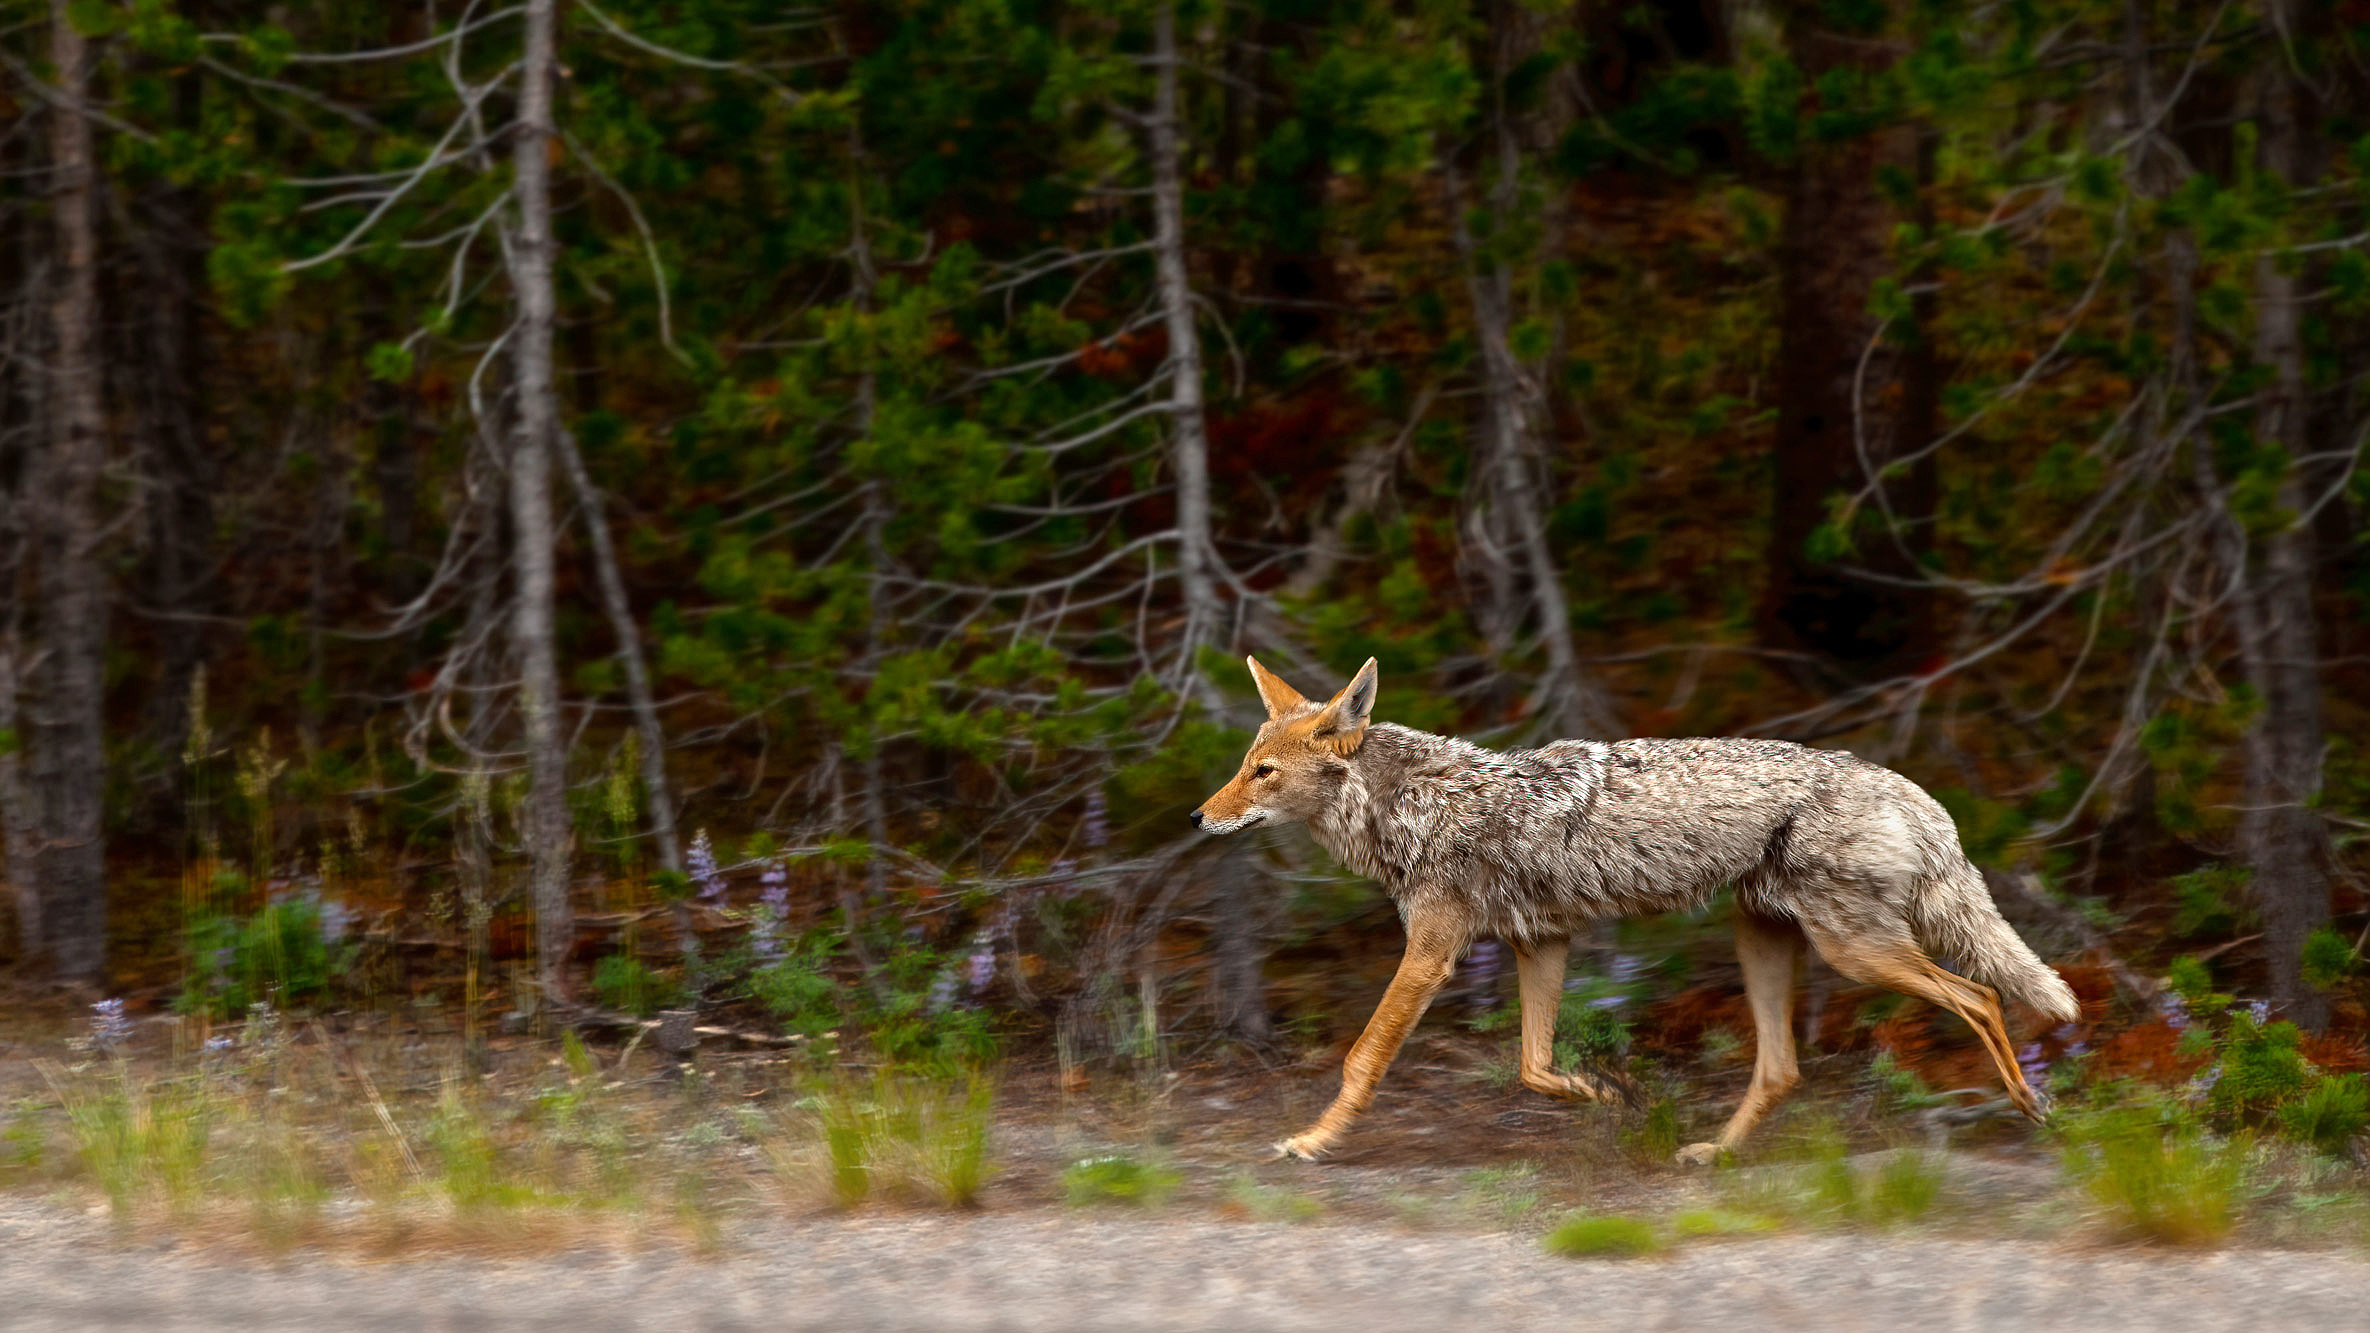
{"x":1847,"y":394}
{"x":2280,"y":832}
{"x":180,"y":573}
{"x":1507,"y":519}
{"x":1240,"y":948}
{"x":547,"y":830}
{"x":66,"y":738}
{"x":620,"y":612}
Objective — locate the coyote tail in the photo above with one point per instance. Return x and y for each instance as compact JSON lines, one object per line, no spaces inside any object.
{"x":1956,"y":919}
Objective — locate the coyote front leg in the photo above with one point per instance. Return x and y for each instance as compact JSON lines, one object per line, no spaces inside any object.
{"x":1432,"y":944}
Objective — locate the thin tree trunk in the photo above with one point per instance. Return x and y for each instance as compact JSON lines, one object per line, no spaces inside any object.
{"x":16,"y":813}
{"x":2281,"y":834}
{"x":1189,"y":445}
{"x":548,"y":835}
{"x":1512,"y":521}
{"x":67,"y":736}
{"x":620,"y":611}
{"x":1240,"y":948}
{"x":181,"y":517}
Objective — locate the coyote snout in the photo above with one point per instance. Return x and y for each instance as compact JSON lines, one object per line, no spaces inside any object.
{"x":1823,"y":849}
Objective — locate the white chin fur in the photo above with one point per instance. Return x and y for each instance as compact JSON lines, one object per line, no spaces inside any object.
{"x":1248,"y":819}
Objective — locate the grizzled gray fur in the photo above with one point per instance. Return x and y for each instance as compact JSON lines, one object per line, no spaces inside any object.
{"x":1535,"y":844}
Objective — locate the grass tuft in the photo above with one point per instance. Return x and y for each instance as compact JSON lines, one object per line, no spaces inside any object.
{"x":1602,"y":1237}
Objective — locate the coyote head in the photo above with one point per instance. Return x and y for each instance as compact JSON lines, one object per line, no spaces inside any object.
{"x":1299,"y":757}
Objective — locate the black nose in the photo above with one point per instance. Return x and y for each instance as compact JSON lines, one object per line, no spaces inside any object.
{"x":1197,"y":819}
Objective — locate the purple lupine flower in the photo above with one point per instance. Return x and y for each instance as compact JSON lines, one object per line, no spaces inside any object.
{"x":1486,"y":959}
{"x":765,"y":936}
{"x":942,"y":991}
{"x":702,"y":864}
{"x":1096,"y":827}
{"x":1626,"y":968}
{"x":109,"y":1028}
{"x":219,"y":1045}
{"x":2260,"y":1011}
{"x":979,"y":970}
{"x":2031,"y":1062}
{"x":336,"y":919}
{"x":2173,"y":1010}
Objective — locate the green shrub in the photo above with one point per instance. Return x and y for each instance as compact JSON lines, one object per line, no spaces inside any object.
{"x":1587,"y":1035}
{"x":278,"y":955}
{"x":2261,"y":1068}
{"x":2157,"y":1173}
{"x":623,"y":982}
{"x":799,"y":991}
{"x":1721,"y":1222}
{"x":899,"y":1134}
{"x":2330,"y":1115}
{"x":1602,"y":1237}
{"x":2329,"y":958}
{"x":135,"y":1139}
{"x":1119,"y":1180}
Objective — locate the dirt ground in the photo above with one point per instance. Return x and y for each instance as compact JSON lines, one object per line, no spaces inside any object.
{"x":1057,"y":1271}
{"x":1430,"y":1217}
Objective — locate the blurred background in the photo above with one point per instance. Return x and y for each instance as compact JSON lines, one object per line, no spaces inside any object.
{"x":755,"y":513}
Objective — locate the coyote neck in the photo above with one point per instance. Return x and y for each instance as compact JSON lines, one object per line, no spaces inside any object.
{"x":1383,"y":816}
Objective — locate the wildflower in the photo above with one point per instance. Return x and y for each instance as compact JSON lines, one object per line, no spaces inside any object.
{"x":942,"y":991}
{"x":1096,"y":827}
{"x":703,"y":869}
{"x":2260,"y":1011}
{"x":2173,"y":1010}
{"x":336,"y":919}
{"x":1626,"y":968}
{"x":980,"y":967}
{"x":1482,"y":965}
{"x":765,"y":936}
{"x":2031,"y":1062}
{"x":218,"y":1045}
{"x":109,"y":1028}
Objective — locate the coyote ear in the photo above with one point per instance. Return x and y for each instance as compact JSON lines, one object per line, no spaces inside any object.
{"x":1279,"y":697}
{"x":1343,"y":721}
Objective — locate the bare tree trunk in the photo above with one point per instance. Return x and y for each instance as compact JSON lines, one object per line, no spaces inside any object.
{"x":620,"y":611}
{"x":180,"y":576}
{"x":2281,"y":835}
{"x":16,"y":812}
{"x":1239,"y":989}
{"x":67,"y":735}
{"x":547,"y":830}
{"x":1189,"y":445}
{"x":1509,"y":520}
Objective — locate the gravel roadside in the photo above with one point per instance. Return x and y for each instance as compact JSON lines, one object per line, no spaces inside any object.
{"x":63,"y":1270}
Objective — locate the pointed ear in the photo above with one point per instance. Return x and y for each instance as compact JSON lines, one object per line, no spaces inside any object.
{"x":1342,"y":722}
{"x":1279,"y":697}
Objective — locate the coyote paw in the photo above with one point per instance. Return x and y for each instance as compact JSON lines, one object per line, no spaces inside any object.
{"x":1304,"y":1147}
{"x":1698,"y":1154}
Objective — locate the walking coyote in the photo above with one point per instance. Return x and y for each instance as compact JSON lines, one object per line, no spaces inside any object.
{"x":1528,"y":846}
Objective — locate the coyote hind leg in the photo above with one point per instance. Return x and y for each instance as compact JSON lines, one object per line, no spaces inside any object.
{"x":1769,"y":951}
{"x":1539,"y":965}
{"x":1891,"y":958}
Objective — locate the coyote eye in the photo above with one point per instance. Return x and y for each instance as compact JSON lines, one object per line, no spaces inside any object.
{"x":1264,"y":771}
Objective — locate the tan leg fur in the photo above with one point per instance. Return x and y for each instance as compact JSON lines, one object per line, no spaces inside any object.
{"x":1433,"y":941}
{"x":1769,"y":952}
{"x":1540,"y":968}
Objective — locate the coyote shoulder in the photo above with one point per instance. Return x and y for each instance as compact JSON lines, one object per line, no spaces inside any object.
{"x":1529,"y":846}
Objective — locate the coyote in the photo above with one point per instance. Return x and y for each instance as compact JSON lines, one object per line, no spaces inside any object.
{"x":1528,"y":846}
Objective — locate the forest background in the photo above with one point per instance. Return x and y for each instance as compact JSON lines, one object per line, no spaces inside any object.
{"x":708,"y":505}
